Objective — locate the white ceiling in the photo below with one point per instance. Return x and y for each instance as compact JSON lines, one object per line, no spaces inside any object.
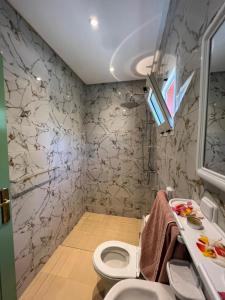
{"x":129,"y":30}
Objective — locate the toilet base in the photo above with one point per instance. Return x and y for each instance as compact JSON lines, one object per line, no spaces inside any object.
{"x":107,"y":283}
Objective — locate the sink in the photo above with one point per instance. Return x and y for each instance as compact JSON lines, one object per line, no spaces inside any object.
{"x":133,"y":289}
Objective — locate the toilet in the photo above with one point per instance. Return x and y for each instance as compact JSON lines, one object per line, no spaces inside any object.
{"x":182,"y":277}
{"x":117,"y":263}
{"x":115,"y":260}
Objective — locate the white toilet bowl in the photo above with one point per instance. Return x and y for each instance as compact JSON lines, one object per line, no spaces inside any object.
{"x":115,"y":260}
{"x":133,"y":289}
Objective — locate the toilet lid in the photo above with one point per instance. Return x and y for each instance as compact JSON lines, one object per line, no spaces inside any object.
{"x":111,"y":268}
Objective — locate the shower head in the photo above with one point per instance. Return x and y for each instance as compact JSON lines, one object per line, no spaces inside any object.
{"x":131,"y":102}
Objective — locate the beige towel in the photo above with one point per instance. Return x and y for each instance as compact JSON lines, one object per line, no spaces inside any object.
{"x":159,"y":241}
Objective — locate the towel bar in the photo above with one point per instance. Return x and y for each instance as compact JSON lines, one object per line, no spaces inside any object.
{"x":20,"y":194}
{"x":29,"y":176}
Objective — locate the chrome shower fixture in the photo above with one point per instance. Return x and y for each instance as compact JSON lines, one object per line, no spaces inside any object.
{"x":132,"y":103}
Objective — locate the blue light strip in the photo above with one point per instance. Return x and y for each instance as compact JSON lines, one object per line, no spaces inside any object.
{"x":155,"y":108}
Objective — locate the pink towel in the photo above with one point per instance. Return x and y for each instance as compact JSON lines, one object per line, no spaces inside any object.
{"x":159,"y":241}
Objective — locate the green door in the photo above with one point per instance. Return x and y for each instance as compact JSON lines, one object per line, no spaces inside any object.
{"x":7,"y":269}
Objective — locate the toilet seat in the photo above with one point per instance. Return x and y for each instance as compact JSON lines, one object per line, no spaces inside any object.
{"x":130,"y":289}
{"x":117,"y":260}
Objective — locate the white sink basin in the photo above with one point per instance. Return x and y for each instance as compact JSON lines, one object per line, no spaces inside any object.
{"x":133,"y":289}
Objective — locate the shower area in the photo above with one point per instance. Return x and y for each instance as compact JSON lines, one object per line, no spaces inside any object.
{"x":121,"y":175}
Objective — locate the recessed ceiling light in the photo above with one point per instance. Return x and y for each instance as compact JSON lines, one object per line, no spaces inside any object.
{"x":111,"y":69}
{"x":94,"y":22}
{"x":143,"y":66}
{"x":38,"y":78}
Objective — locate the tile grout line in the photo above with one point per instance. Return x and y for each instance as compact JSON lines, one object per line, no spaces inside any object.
{"x":76,"y":248}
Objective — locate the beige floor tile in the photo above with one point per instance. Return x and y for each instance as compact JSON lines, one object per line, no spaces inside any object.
{"x":34,"y":286}
{"x":123,"y":237}
{"x":89,"y":242}
{"x":96,"y":228}
{"x":124,"y":219}
{"x":62,"y":261}
{"x":74,"y":264}
{"x":90,"y":217}
{"x":83,"y":240}
{"x":59,"y":288}
{"x":83,"y":270}
{"x":96,"y":217}
{"x":110,"y":219}
{"x":69,"y":273}
{"x":91,"y":227}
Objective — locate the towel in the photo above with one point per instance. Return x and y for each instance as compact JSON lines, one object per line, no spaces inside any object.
{"x":159,"y":241}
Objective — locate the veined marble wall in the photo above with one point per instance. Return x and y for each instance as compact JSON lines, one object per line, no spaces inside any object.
{"x":45,"y":130}
{"x":49,"y":127}
{"x":215,"y":132}
{"x":117,"y":150}
{"x":181,"y":48}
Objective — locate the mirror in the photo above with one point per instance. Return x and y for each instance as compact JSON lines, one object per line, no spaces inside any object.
{"x":214,"y":156}
{"x":211,"y":138}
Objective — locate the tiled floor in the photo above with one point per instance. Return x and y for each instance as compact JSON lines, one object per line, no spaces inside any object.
{"x":69,"y":274}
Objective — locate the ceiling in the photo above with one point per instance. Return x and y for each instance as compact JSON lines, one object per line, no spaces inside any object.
{"x":128,"y":31}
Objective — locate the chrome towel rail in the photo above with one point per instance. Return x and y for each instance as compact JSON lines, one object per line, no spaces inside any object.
{"x":20,"y":194}
{"x":29,"y":176}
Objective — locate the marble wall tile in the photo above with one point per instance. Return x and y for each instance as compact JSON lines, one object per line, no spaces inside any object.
{"x":100,"y":151}
{"x":117,"y":150}
{"x":45,"y":130}
{"x":181,"y":48}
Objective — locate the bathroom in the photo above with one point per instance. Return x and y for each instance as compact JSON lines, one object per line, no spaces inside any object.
{"x":82,"y":141}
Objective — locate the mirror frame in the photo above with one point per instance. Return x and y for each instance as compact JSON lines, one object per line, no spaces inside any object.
{"x":212,"y":177}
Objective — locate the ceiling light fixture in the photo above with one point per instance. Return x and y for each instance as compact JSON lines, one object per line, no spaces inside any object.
{"x":111,"y":69}
{"x":143,"y":66}
{"x":94,"y":22}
